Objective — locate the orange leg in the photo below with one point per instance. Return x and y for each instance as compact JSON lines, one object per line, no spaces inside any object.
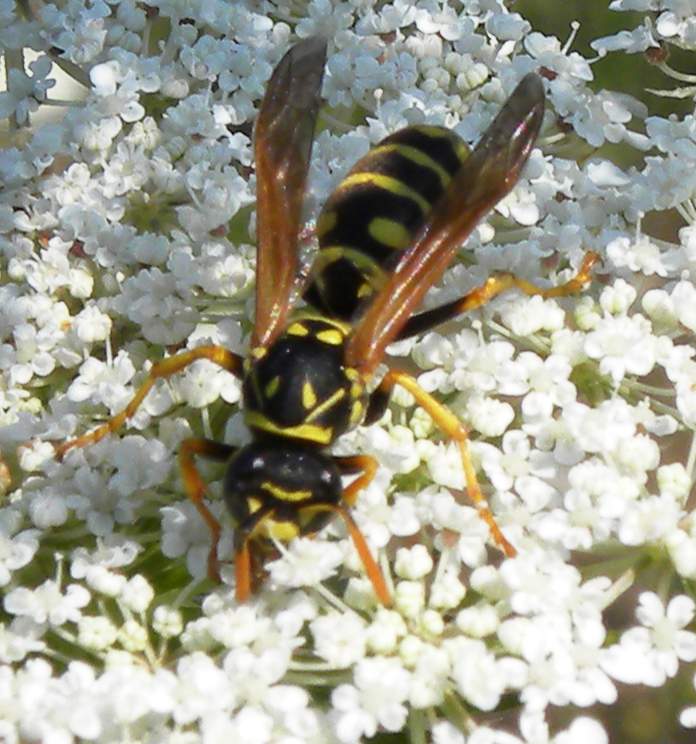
{"x":367,"y":467}
{"x":166,"y":368}
{"x":242,"y":571}
{"x":454,"y":429}
{"x":243,"y":535}
{"x":363,"y":464}
{"x":371,"y":567}
{"x":494,"y":286}
{"x":195,"y":488}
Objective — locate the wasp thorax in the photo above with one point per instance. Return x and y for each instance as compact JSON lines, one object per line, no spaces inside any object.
{"x":299,"y":388}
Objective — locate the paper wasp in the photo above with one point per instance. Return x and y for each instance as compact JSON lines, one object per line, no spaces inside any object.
{"x":386,"y":235}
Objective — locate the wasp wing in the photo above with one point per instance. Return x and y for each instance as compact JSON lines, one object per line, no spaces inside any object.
{"x":283,"y":144}
{"x":485,"y":177}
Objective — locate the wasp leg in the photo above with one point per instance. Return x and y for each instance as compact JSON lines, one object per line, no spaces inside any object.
{"x":494,"y":286}
{"x":363,"y":464}
{"x":195,"y":488}
{"x":161,"y":370}
{"x":242,"y":553}
{"x":371,"y":568}
{"x":454,"y":429}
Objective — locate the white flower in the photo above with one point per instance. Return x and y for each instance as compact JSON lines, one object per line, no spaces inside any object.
{"x":480,"y":677}
{"x":623,"y":345}
{"x":137,"y":593}
{"x":375,"y":699}
{"x":47,"y":603}
{"x":96,"y":633}
{"x":104,"y":383}
{"x":340,"y":639}
{"x":25,"y":93}
{"x":17,"y":548}
{"x":650,"y":653}
{"x":307,"y":562}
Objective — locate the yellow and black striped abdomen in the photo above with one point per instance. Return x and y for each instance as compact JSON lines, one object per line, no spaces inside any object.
{"x":376,"y":211}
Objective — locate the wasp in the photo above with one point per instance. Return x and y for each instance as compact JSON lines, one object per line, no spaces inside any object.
{"x":386,"y":235}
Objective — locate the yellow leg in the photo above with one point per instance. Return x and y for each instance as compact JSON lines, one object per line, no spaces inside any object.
{"x":166,"y":368}
{"x":195,"y":488}
{"x":454,"y":429}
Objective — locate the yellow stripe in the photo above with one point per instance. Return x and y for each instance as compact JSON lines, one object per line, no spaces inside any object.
{"x":322,"y":407}
{"x":305,"y":314}
{"x":308,"y":432}
{"x":392,"y":185}
{"x":460,"y":147}
{"x":283,"y":495}
{"x":365,"y":264}
{"x":419,"y":157}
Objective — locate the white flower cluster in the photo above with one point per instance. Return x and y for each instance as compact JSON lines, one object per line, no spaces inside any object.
{"x":127,"y":233}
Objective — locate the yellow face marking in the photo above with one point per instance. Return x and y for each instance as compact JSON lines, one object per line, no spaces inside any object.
{"x":308,"y":432}
{"x":419,"y":157}
{"x":284,"y":495}
{"x":298,"y":329}
{"x":387,"y":183}
{"x":309,"y":397}
{"x":253,"y":504}
{"x":272,"y":387}
{"x":351,"y":373}
{"x":330,"y":336}
{"x":326,"y":222}
{"x":389,"y":233}
{"x":328,"y":403}
{"x":283,"y":531}
{"x":258,"y":352}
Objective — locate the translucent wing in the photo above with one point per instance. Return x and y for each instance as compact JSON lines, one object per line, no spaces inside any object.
{"x":485,"y":177}
{"x":283,"y":143}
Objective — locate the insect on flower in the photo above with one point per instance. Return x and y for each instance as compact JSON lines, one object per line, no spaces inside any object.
{"x":386,"y":235}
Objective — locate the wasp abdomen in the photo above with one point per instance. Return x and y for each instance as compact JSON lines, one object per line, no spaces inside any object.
{"x":376,"y":212}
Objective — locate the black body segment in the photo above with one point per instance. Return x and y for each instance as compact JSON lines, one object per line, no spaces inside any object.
{"x":271,"y":487}
{"x":299,"y":388}
{"x":375,"y":213}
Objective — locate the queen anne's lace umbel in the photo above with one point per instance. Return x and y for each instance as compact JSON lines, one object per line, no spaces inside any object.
{"x":127,"y":225}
